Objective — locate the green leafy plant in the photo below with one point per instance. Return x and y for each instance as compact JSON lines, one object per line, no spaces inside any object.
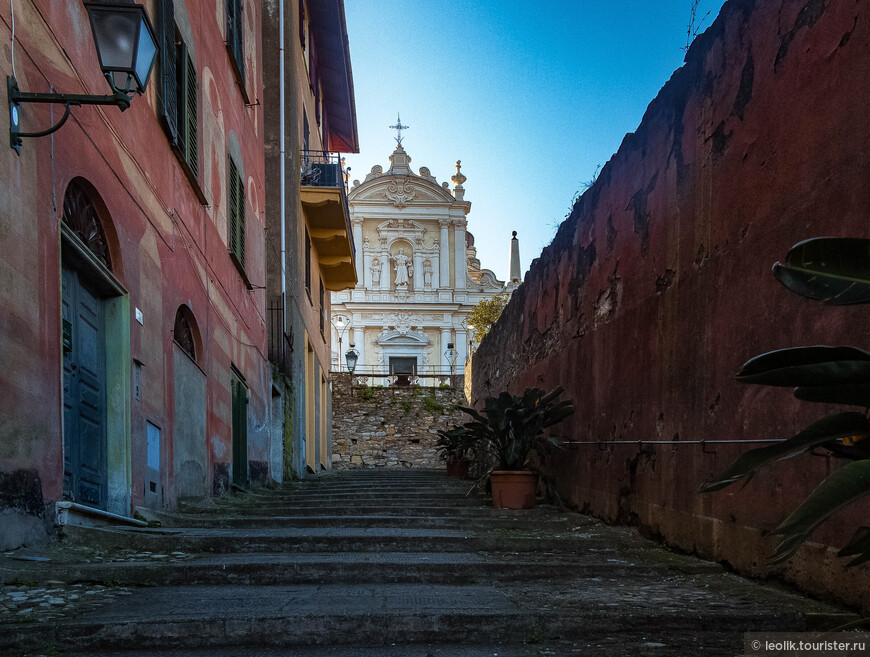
{"x":486,"y":313}
{"x":365,"y":393}
{"x":835,"y":271}
{"x":456,"y":444}
{"x":512,"y":426}
{"x":432,"y":405}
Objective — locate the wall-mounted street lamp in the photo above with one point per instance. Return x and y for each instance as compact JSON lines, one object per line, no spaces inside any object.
{"x":451,"y":354}
{"x":351,"y":357}
{"x":126,"y":48}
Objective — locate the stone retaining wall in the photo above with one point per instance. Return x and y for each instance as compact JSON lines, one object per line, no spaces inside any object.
{"x":658,"y":287}
{"x":390,"y":427}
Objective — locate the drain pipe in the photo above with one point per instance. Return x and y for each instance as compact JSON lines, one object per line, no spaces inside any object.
{"x":281,"y":149}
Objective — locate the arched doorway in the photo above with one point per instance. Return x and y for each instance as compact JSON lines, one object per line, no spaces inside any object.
{"x":189,"y":453}
{"x":94,"y":330}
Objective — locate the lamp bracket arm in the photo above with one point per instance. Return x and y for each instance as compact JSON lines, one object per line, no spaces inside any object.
{"x":18,"y":97}
{"x":42,"y":133}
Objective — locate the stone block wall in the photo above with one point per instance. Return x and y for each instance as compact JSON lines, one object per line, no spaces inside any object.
{"x":393,"y":427}
{"x":658,"y":287}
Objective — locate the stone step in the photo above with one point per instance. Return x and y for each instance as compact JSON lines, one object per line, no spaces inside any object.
{"x":353,"y":500}
{"x":372,"y":615}
{"x":450,"y":521}
{"x":432,"y":509}
{"x":313,"y":539}
{"x":621,"y":644}
{"x":360,"y":568}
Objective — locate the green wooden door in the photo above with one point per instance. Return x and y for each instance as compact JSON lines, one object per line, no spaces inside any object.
{"x":84,"y":393}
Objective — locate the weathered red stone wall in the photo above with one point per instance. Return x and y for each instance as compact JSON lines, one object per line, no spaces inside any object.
{"x":658,"y":287}
{"x":168,"y":240}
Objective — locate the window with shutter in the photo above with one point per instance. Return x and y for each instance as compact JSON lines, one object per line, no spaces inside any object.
{"x":187,"y":108}
{"x":308,"y":263}
{"x":235,"y":40}
{"x":190,"y":117}
{"x":236,"y":215}
{"x":167,"y":89}
{"x":322,"y":308}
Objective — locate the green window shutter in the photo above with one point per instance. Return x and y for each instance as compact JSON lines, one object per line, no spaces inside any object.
{"x":236,"y":212}
{"x":167,"y":88}
{"x":232,"y":210}
{"x":191,"y":153}
{"x":235,"y":36}
{"x":240,"y":221}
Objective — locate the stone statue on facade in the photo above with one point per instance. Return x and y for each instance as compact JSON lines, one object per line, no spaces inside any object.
{"x":376,"y":273}
{"x":404,"y":270}
{"x":427,"y":275}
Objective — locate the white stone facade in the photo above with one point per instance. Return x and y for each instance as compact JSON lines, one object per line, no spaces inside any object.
{"x":419,"y":274}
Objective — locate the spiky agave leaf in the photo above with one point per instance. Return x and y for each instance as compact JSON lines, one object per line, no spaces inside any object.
{"x":834,"y":427}
{"x":812,"y":367}
{"x":850,"y":394}
{"x":842,"y":487}
{"x":858,"y":547}
{"x":833,"y":270}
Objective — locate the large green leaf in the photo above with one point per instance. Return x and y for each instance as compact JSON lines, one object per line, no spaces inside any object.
{"x":858,"y":547}
{"x":851,"y":394}
{"x":834,"y":270}
{"x":808,"y":366}
{"x":842,"y":487}
{"x":818,"y":433}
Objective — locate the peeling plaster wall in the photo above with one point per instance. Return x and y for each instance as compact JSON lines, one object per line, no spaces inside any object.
{"x":658,"y":287}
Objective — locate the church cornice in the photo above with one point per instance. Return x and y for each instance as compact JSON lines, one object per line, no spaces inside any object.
{"x":400,"y":189}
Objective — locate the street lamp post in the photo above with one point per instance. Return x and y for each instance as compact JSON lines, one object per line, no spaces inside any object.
{"x":341,"y":324}
{"x":351,"y":357}
{"x":451,"y":354}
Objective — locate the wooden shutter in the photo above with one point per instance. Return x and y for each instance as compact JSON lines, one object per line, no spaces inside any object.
{"x":191,"y":154}
{"x":240,"y":222}
{"x":167,"y":91}
{"x":235,"y":36}
{"x":232,"y":210}
{"x":236,"y":212}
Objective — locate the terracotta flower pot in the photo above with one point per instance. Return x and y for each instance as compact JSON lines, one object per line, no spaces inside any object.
{"x":514,"y":489}
{"x":457,"y":468}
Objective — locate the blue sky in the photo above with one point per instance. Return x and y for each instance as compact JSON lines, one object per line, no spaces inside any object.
{"x":530,"y":101}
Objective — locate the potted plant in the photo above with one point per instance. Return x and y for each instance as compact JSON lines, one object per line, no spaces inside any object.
{"x":456,"y":447}
{"x":511,"y":427}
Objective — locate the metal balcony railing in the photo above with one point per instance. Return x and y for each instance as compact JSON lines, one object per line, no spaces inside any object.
{"x":431,"y":377}
{"x":324,"y":169}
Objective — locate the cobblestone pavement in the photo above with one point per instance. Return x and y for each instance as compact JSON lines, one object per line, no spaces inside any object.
{"x":393,"y":564}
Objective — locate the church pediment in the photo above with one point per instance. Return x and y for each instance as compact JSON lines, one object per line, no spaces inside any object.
{"x":400,"y":191}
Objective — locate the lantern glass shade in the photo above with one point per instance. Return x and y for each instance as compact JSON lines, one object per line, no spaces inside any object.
{"x":125,"y":43}
{"x":351,"y":358}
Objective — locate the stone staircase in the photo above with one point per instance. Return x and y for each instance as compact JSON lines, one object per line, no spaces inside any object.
{"x":376,"y":562}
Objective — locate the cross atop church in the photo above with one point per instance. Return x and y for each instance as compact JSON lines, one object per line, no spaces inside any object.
{"x":399,"y":127}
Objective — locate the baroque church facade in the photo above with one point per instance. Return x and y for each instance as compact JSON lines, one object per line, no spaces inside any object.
{"x":419,"y":276}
